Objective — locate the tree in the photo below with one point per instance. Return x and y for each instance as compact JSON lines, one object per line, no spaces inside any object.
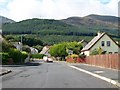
{"x":31,"y":41}
{"x":59,"y":50}
{"x":75,"y":46}
{"x":6,"y":46}
{"x":38,"y":47}
{"x":54,"y":51}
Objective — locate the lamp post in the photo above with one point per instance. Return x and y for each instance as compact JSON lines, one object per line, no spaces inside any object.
{"x":21,"y":48}
{"x":21,"y":43}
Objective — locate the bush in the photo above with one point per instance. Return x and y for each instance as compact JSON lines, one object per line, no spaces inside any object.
{"x":40,"y":56}
{"x":5,"y":57}
{"x":24,"y":55}
{"x":74,"y":56}
{"x":97,"y":51}
{"x":15,"y":54}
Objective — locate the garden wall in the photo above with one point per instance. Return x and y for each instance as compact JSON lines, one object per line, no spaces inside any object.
{"x":106,"y":60}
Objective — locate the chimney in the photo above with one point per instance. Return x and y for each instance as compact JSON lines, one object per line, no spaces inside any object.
{"x":98,"y":34}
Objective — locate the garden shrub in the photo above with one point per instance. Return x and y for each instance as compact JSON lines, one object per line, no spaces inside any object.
{"x":24,"y":55}
{"x":74,"y":57}
{"x":5,"y":57}
{"x":16,"y":55}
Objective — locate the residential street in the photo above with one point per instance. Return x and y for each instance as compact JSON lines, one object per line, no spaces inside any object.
{"x":50,"y":75}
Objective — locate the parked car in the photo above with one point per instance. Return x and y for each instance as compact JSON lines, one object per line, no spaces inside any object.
{"x":50,"y":59}
{"x":47,"y":59}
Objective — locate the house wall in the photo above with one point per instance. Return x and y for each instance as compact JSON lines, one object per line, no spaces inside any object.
{"x":112,"y":48}
{"x":87,"y":53}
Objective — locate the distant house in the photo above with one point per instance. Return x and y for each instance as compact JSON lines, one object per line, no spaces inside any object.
{"x":104,"y":41}
{"x":45,"y":50}
{"x":33,"y":50}
{"x":18,"y":45}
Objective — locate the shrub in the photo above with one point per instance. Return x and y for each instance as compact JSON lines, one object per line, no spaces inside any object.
{"x":40,"y":56}
{"x":97,"y":51}
{"x":15,"y":55}
{"x":74,"y":56}
{"x":24,"y":55}
{"x":5,"y":57}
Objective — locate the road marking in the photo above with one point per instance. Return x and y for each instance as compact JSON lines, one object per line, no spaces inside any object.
{"x":98,"y":72}
{"x":98,"y":76}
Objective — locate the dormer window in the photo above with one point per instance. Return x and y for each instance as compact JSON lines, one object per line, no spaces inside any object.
{"x":102,"y":43}
{"x":108,"y":43}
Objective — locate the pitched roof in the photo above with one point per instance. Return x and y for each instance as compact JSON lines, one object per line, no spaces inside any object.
{"x":93,"y":41}
{"x":45,"y":49}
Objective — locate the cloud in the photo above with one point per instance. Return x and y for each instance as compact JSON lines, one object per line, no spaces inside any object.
{"x":56,"y":9}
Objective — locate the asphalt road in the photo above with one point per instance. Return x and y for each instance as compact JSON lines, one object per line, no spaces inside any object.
{"x":50,"y":75}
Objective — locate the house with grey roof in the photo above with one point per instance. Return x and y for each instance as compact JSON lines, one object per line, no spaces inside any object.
{"x":104,"y":41}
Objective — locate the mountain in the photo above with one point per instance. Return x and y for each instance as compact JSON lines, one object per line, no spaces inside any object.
{"x":39,"y":26}
{"x":5,"y":20}
{"x":70,"y":29}
{"x":93,"y":21}
{"x":109,"y":19}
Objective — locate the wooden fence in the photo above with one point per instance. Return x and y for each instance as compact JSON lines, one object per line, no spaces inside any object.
{"x":107,"y":60}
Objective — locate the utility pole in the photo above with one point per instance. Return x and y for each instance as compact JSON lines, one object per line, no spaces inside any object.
{"x":21,"y":47}
{"x":21,"y":42}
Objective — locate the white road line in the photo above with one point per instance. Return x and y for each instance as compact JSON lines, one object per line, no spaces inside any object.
{"x":98,"y":76}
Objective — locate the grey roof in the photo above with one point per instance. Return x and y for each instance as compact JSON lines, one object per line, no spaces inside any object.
{"x":93,"y":41}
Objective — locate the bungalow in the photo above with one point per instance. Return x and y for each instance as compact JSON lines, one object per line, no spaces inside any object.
{"x":104,"y":41}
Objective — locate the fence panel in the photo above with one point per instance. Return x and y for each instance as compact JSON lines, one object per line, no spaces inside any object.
{"x":107,"y":60}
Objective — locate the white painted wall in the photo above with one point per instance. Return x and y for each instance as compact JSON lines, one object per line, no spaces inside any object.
{"x":87,"y":53}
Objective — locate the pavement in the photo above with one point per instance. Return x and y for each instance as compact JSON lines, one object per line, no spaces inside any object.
{"x":4,"y":71}
{"x":109,"y":75}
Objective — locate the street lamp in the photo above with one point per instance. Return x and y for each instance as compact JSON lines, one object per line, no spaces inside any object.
{"x":21,"y":43}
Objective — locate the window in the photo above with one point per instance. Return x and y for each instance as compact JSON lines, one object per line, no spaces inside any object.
{"x":116,"y":52}
{"x":102,"y":43}
{"x":110,"y":52}
{"x":108,"y":43}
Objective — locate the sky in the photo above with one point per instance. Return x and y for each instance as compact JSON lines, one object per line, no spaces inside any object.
{"x":19,"y":10}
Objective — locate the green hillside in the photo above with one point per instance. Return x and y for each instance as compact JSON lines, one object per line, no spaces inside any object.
{"x":54,"y":31}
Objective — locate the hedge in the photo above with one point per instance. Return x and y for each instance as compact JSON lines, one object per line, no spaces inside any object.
{"x":24,"y":55}
{"x":5,"y":57}
{"x":15,"y":55}
{"x":40,"y":56}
